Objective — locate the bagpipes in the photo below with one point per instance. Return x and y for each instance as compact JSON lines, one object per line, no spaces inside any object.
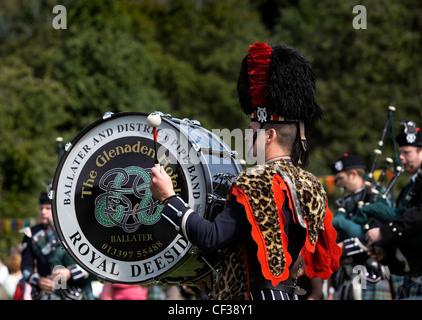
{"x":373,"y":185}
{"x":58,"y":258}
{"x":376,"y":189}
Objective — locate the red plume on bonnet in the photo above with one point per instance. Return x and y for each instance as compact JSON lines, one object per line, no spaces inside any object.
{"x":258,"y":63}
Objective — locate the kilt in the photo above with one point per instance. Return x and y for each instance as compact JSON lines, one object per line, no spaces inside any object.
{"x":377,"y":291}
{"x":406,"y":287}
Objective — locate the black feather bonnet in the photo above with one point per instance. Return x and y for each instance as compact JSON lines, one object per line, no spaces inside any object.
{"x":276,"y":84}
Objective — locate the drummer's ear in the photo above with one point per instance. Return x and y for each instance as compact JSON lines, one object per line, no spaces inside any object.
{"x":272,"y":135}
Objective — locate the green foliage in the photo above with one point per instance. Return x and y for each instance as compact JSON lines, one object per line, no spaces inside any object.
{"x":196,"y":49}
{"x":27,"y":132}
{"x":103,"y":66}
{"x":360,"y":72}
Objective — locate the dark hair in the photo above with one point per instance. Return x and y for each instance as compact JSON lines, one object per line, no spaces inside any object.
{"x":44,"y":199}
{"x":289,"y":137}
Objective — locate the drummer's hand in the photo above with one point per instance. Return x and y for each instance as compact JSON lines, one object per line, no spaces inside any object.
{"x":161,"y":184}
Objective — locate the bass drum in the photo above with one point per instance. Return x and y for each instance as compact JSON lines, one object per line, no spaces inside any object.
{"x":105,"y":214}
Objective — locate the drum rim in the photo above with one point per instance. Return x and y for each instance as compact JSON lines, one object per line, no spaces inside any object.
{"x":53,"y":197}
{"x":55,"y":183}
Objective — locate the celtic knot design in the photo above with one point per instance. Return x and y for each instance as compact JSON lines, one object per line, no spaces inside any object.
{"x":114,"y":208}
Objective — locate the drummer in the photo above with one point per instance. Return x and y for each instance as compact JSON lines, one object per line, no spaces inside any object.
{"x":276,"y":211}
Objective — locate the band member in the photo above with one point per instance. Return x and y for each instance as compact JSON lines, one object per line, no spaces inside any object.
{"x":349,"y":172}
{"x":350,"y":175}
{"x":276,"y":211}
{"x":401,"y":235}
{"x":46,"y":266}
{"x":410,"y":145}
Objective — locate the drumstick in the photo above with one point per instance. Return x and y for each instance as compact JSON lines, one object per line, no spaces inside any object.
{"x":154,"y":120}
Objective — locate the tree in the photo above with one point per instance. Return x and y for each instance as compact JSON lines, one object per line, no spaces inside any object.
{"x":359,"y":72}
{"x":27,"y":149}
{"x":198,"y":47}
{"x":103,"y":66}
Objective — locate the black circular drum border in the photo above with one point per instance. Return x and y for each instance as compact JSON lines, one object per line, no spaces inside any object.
{"x":104,"y":269}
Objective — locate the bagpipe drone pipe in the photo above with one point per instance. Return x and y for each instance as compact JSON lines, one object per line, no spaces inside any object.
{"x":379,"y":185}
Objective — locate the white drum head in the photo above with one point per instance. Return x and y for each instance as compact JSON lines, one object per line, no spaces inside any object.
{"x":103,"y":210}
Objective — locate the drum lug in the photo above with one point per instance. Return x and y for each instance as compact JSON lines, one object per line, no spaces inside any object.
{"x":213,"y":198}
{"x":107,"y":115}
{"x":162,"y":115}
{"x":68,"y":146}
{"x":224,"y":176}
{"x":192,"y":122}
{"x":167,"y":116}
{"x":196,"y":147}
{"x":221,"y":153}
{"x":234,"y":154}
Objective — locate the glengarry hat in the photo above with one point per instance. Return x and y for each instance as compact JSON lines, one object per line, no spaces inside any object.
{"x":410,"y":136}
{"x":347,"y":162}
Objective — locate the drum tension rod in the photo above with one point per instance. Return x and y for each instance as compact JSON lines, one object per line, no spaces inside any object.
{"x":213,"y":198}
{"x":217,"y":273}
{"x":223,"y":177}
